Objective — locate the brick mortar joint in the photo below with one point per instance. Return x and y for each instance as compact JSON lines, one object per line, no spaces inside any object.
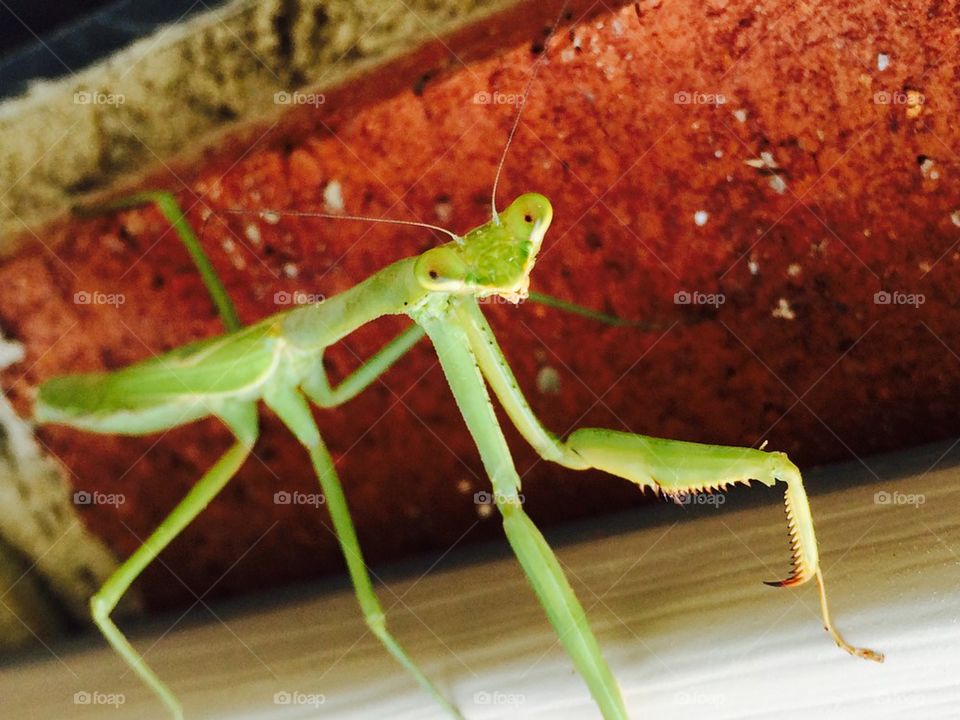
{"x":179,"y":83}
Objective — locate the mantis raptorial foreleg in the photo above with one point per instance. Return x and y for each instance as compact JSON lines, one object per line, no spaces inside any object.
{"x":292,"y":409}
{"x":536,"y":558}
{"x":242,"y":421}
{"x":671,"y":467}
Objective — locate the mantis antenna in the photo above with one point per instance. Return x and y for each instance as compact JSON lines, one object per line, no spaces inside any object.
{"x":337,"y":216}
{"x":516,"y":120}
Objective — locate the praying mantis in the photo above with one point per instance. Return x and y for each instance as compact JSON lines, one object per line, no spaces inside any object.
{"x":278,"y":361}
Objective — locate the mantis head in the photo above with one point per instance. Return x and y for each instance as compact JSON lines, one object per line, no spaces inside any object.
{"x":493,"y":259}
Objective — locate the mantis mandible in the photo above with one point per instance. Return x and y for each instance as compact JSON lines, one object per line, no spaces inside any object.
{"x":278,"y":361}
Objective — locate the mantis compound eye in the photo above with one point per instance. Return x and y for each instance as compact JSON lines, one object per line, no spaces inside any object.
{"x":441,"y":270}
{"x":528,"y":217}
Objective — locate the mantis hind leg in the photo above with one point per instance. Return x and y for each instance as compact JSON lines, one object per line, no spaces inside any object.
{"x":293,"y":410}
{"x":242,"y":420}
{"x":168,"y":206}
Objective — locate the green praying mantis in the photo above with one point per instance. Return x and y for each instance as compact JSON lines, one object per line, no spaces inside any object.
{"x":278,"y":361}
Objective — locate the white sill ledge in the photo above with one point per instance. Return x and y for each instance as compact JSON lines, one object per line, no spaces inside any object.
{"x":677,"y":605}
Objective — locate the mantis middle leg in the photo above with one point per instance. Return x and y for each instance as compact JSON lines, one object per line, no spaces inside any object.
{"x":292,"y":409}
{"x":317,"y":385}
{"x":242,"y":421}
